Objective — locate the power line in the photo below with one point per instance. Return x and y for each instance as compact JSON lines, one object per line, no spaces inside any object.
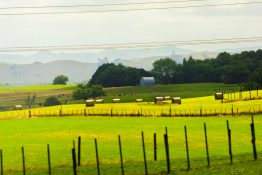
{"x":100,"y":5}
{"x":133,"y":45}
{"x":131,"y":9}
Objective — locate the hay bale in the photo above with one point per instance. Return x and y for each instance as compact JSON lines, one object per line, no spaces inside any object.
{"x":90,"y":102}
{"x":99,"y":101}
{"x":219,"y":96}
{"x":18,"y":107}
{"x":139,"y":100}
{"x":116,"y":100}
{"x":176,"y":100}
{"x":167,"y":98}
{"x":159,"y":100}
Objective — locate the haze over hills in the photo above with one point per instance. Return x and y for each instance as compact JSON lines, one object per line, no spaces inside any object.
{"x":42,"y":67}
{"x":39,"y":73}
{"x":91,"y":56}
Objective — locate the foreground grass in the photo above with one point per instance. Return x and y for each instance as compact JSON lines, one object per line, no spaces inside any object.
{"x":59,"y":132}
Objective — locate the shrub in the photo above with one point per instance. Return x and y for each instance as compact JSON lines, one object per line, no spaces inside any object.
{"x":51,"y":101}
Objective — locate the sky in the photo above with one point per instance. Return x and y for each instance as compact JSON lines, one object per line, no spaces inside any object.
{"x":126,"y":27}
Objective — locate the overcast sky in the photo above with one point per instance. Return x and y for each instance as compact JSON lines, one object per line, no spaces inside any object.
{"x":132,"y":26}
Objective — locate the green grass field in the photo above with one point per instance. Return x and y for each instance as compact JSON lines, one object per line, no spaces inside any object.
{"x":59,"y":132}
{"x":16,"y":130}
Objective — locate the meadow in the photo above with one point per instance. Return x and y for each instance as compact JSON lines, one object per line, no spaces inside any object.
{"x":34,"y":134}
{"x":14,"y":95}
{"x":200,"y":106}
{"x":147,"y":93}
{"x":59,"y":125}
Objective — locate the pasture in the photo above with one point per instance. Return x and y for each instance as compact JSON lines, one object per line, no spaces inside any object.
{"x":200,"y":106}
{"x":34,"y":134}
{"x":48,"y":125}
{"x":129,"y":94}
{"x":13,"y":95}
{"x":10,"y":96}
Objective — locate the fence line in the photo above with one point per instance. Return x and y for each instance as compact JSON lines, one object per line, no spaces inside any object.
{"x":202,"y":112}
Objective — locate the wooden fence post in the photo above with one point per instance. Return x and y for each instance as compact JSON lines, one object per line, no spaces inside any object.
{"x":79,"y":151}
{"x":167,"y":153}
{"x":97,"y":158}
{"x":74,"y":161}
{"x":144,"y":153}
{"x":1,"y":159}
{"x":155,"y":147}
{"x":23,"y":160}
{"x":121,"y":155}
{"x":229,"y":143}
{"x":207,"y":151}
{"x":187,"y":151}
{"x":30,"y":114}
{"x":48,"y":159}
{"x":253,"y":141}
{"x":85,"y":112}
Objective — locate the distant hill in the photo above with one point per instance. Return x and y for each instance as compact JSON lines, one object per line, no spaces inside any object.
{"x":40,"y":73}
{"x":40,"y":68}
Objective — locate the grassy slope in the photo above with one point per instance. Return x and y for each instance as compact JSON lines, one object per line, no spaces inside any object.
{"x":35,"y":88}
{"x":35,"y":133}
{"x":129,"y":94}
{"x":10,"y":96}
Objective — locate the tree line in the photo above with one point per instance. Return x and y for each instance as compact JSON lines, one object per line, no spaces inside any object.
{"x":241,"y":68}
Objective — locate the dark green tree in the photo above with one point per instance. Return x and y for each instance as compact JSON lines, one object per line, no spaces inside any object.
{"x":111,"y":75}
{"x":60,"y":79}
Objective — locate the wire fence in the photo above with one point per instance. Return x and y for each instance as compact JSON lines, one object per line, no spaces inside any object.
{"x":166,"y":111}
{"x":148,"y":153}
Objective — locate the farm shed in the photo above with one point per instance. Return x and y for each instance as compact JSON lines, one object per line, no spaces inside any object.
{"x":219,"y":95}
{"x":90,"y":102}
{"x":99,"y":100}
{"x":147,"y":81}
{"x":159,"y":100}
{"x":176,"y":100}
{"x":18,"y":107}
{"x":139,"y":100}
{"x":116,"y":100}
